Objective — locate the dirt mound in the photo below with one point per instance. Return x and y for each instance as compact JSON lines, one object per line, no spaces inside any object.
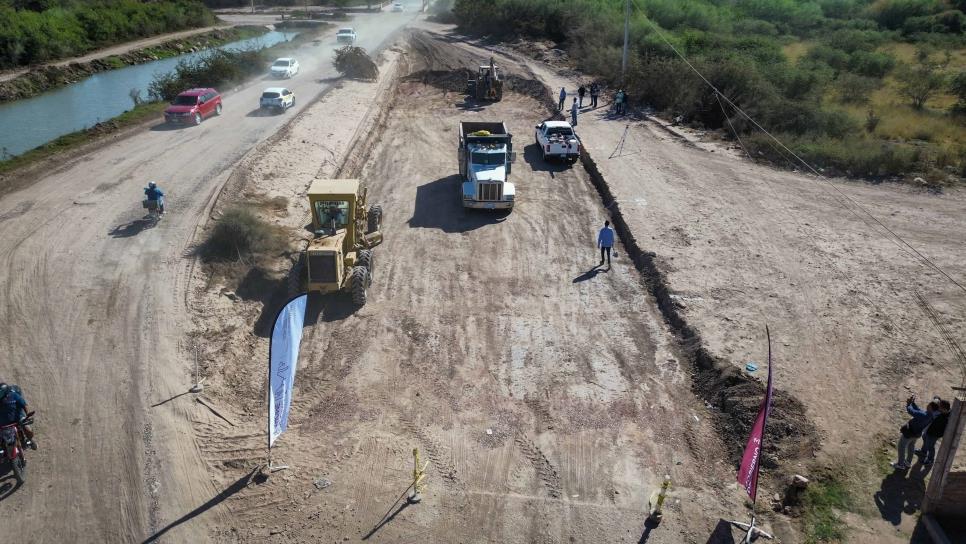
{"x":354,"y":62}
{"x":456,"y":81}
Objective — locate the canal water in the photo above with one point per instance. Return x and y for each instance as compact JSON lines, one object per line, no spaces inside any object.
{"x":26,"y":124}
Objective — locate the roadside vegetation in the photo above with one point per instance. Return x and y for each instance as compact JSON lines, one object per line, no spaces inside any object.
{"x":36,"y":31}
{"x":46,"y":78}
{"x":241,"y":236}
{"x":218,"y":67}
{"x":867,"y":88}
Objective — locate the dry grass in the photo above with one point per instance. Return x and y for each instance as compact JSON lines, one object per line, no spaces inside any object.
{"x":796,"y":50}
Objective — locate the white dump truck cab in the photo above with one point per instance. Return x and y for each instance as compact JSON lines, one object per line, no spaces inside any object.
{"x":485,"y":158}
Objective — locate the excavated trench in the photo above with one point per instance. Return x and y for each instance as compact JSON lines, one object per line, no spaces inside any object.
{"x":734,"y":397}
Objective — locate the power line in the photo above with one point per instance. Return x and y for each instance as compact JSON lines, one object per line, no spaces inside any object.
{"x":892,"y":235}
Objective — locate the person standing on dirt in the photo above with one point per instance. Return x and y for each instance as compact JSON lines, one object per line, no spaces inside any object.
{"x":933,"y":433}
{"x":563,"y":98}
{"x":912,"y":430}
{"x":594,"y":94}
{"x":574,"y":110}
{"x":605,"y":241}
{"x":581,"y":91}
{"x":13,"y":408}
{"x":619,"y":102}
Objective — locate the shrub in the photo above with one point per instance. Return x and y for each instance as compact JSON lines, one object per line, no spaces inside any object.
{"x":214,"y":69}
{"x":354,"y":62}
{"x":957,"y":86}
{"x":239,"y":235}
{"x":855,"y":89}
{"x":871,"y":63}
{"x":894,"y":13}
{"x":919,"y":83}
{"x":852,"y":156}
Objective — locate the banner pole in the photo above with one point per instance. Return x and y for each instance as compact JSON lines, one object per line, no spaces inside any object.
{"x":751,"y":529}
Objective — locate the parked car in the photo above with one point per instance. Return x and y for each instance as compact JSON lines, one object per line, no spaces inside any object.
{"x":557,"y":139}
{"x":276,"y":98}
{"x":193,"y":106}
{"x":346,"y":35}
{"x":285,"y":67}
{"x":397,"y":6}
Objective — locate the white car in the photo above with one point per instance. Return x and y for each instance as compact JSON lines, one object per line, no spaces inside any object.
{"x":286,"y":67}
{"x":346,"y":35}
{"x":276,"y":98}
{"x":397,"y":6}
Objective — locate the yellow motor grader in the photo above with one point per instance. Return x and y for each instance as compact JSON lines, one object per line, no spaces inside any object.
{"x":339,"y":257}
{"x":487,"y":85}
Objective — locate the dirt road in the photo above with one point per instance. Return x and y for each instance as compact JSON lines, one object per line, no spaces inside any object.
{"x":542,"y":390}
{"x":119,"y":49}
{"x":93,"y":315}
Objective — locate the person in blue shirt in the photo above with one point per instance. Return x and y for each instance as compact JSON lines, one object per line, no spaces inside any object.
{"x":153,"y":193}
{"x":912,"y":430}
{"x":563,"y":98}
{"x":13,"y":408}
{"x":605,"y":241}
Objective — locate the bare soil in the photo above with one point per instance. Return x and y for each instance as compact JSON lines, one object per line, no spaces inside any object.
{"x":543,"y":391}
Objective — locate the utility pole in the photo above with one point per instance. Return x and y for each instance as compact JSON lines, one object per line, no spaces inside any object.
{"x":627,"y":20}
{"x":253,"y":6}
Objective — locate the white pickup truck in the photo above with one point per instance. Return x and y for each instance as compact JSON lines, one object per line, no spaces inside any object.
{"x":557,"y":139}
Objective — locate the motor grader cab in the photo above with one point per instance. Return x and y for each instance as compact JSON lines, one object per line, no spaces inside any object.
{"x":339,"y":257}
{"x":487,"y":85}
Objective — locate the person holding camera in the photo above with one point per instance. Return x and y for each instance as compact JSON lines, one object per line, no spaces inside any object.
{"x":912,"y":430}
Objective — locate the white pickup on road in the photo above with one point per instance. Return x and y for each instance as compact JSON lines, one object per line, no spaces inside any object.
{"x":557,"y":139}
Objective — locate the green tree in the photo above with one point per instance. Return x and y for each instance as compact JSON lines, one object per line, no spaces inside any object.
{"x":919,"y":83}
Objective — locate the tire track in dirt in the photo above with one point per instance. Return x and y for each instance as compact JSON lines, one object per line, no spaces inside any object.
{"x":546,"y":472}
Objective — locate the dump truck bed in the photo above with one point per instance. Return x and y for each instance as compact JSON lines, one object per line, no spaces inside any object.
{"x":497,"y":130}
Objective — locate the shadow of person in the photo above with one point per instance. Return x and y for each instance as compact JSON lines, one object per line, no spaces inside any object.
{"x":8,"y":483}
{"x":133,"y":228}
{"x":901,"y":492}
{"x":590,"y":274}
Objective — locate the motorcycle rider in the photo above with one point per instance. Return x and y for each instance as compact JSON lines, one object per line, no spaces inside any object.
{"x":13,"y":408}
{"x":153,"y":193}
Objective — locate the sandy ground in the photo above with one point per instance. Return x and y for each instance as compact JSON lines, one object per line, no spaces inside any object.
{"x":93,"y":315}
{"x":743,"y":246}
{"x":543,"y":393}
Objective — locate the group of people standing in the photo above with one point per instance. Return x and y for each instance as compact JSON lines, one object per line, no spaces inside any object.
{"x":620,"y":100}
{"x":929,"y":424}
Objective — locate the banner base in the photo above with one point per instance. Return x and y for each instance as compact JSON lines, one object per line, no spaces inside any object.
{"x":751,"y":531}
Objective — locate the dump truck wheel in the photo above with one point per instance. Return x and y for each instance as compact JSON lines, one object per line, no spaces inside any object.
{"x":364,"y":259}
{"x":375,"y":219}
{"x":359,"y":282}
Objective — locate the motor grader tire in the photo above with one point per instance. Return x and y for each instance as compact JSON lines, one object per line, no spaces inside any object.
{"x":359,"y":282}
{"x":364,"y":258}
{"x":374,"y":218}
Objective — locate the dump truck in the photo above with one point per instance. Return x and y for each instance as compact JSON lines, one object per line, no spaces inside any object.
{"x":485,"y":155}
{"x":340,"y":256}
{"x":487,"y":84}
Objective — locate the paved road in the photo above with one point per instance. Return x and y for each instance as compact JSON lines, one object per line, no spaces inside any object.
{"x":92,"y":316}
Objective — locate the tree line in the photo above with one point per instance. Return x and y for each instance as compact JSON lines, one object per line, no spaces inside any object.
{"x":739,"y":46}
{"x":37,"y":31}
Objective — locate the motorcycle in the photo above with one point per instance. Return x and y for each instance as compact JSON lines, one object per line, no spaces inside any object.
{"x":154,"y":209}
{"x":12,"y":449}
